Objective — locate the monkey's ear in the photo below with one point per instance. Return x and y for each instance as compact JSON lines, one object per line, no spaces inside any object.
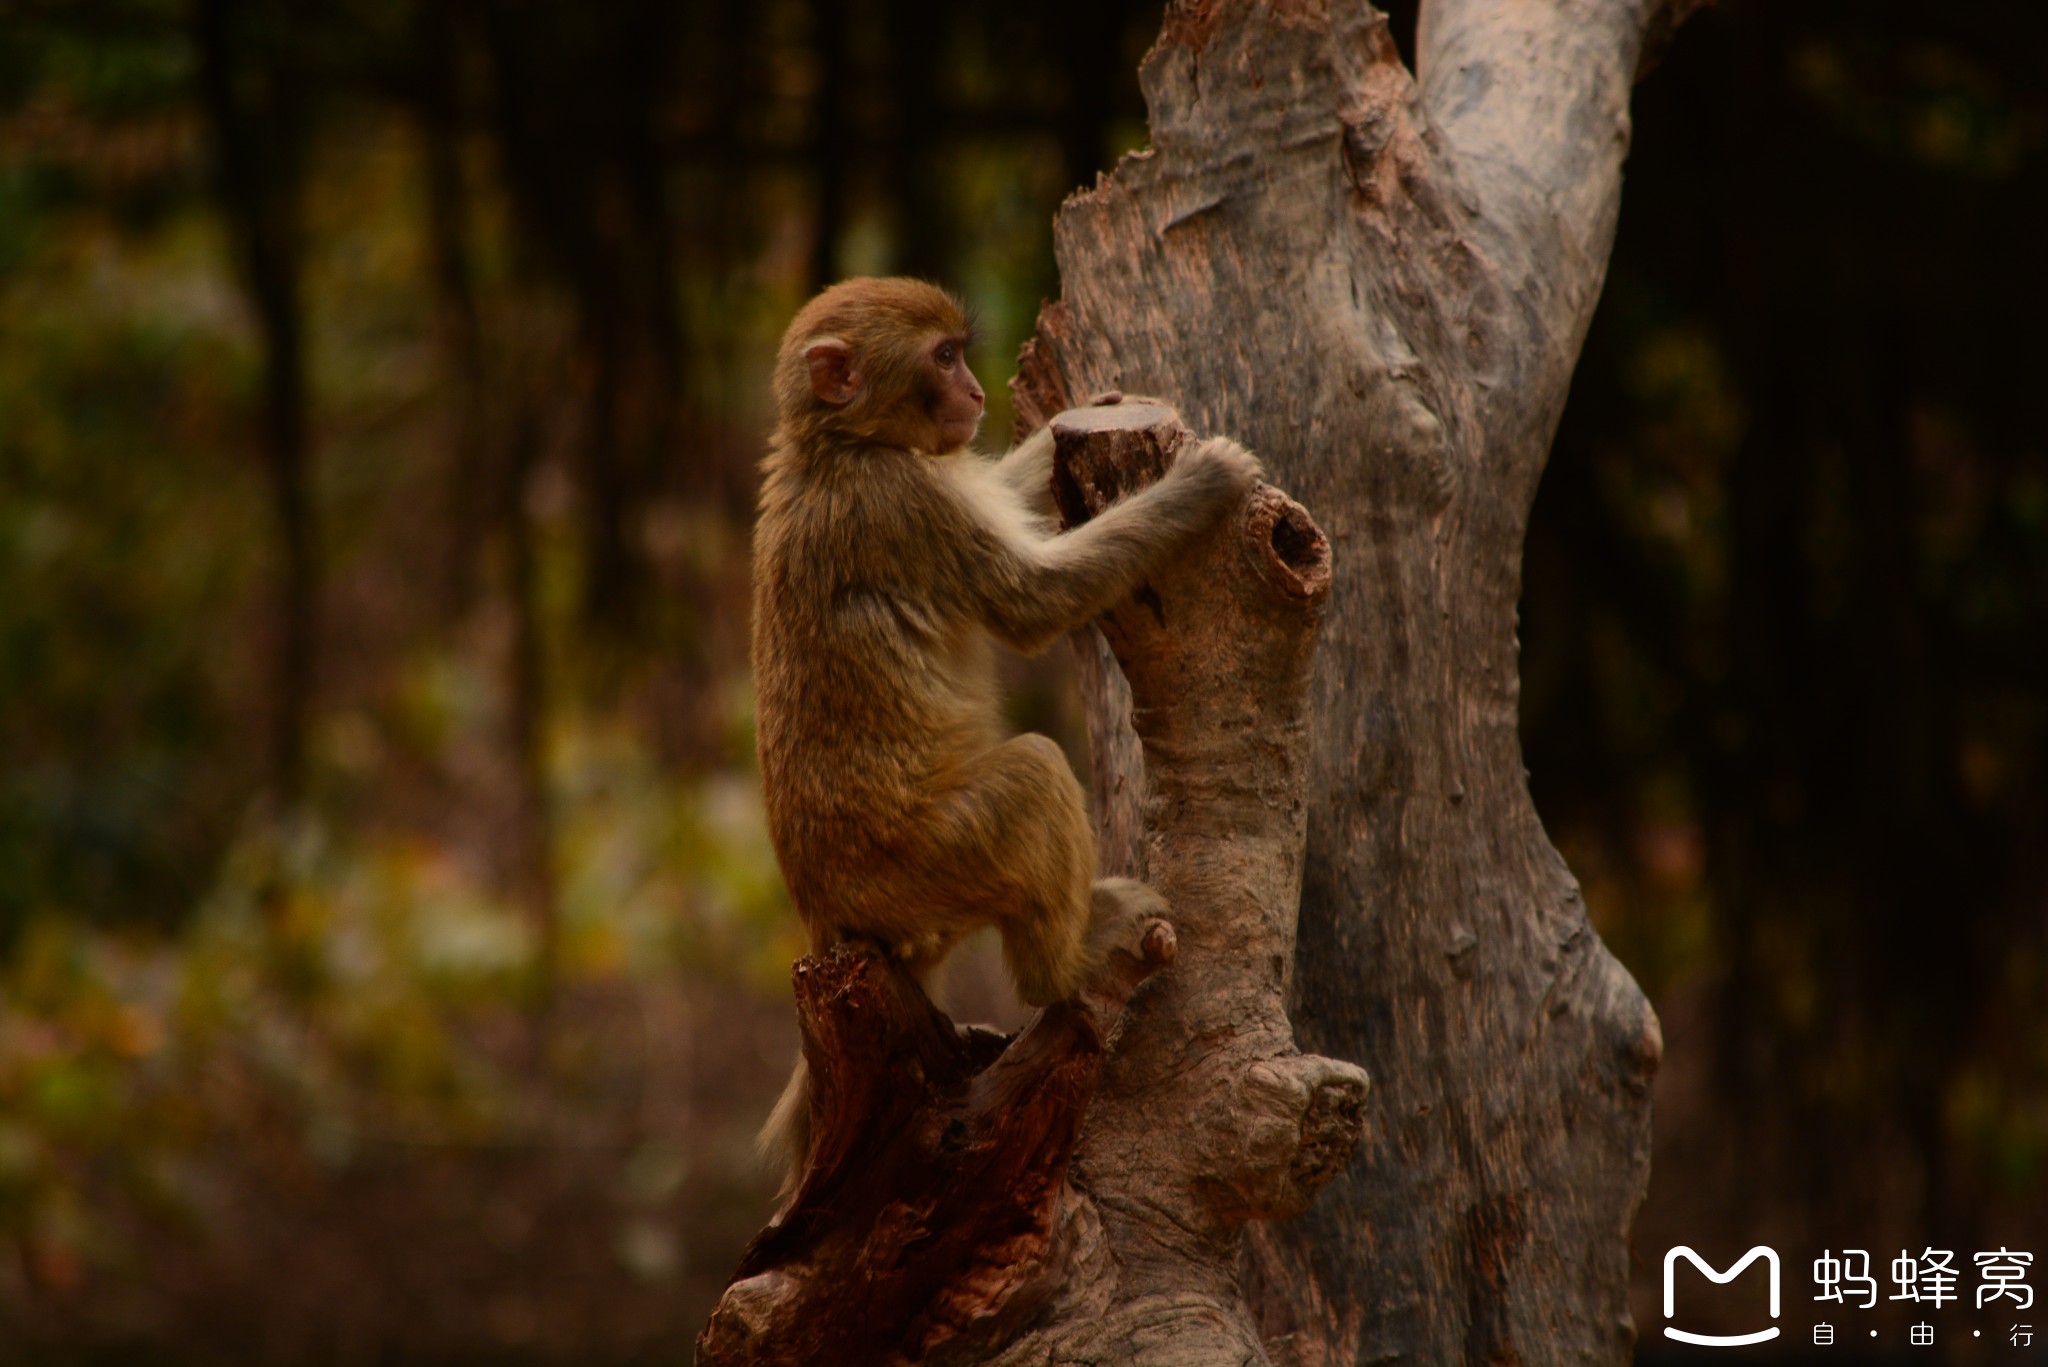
{"x":833,"y":376}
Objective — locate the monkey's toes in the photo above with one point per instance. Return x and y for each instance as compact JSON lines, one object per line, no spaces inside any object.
{"x":1157,"y":944}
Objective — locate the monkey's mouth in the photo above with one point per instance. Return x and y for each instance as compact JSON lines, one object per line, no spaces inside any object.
{"x":955,"y":433}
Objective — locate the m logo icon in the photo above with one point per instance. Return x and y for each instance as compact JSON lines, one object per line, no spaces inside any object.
{"x":1769,"y":1255}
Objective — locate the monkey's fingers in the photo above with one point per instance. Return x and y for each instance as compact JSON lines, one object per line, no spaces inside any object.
{"x":1110,"y":398}
{"x":1152,"y":401}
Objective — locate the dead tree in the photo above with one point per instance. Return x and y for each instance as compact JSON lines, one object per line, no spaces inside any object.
{"x":1380,"y":281}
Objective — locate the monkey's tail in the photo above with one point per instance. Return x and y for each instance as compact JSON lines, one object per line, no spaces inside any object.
{"x":786,"y":1138}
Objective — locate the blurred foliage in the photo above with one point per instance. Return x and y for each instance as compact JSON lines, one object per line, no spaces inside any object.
{"x":1786,"y":687}
{"x":238,"y":1102}
{"x":377,"y":997}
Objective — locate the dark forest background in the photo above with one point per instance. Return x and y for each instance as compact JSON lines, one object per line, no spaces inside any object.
{"x":392,"y":962}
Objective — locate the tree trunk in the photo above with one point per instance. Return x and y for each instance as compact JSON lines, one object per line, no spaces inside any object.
{"x":1381,"y":283}
{"x":252,"y":88}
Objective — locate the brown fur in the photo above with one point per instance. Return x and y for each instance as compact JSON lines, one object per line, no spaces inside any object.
{"x":884,"y":568}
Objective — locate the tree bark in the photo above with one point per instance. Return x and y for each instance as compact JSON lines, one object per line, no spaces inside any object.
{"x":951,"y":1179}
{"x":1381,"y":283}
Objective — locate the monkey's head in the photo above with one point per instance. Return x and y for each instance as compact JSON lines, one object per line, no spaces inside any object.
{"x":878,"y":361}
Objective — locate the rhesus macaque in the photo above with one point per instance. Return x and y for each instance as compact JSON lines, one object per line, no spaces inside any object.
{"x":888,"y":557}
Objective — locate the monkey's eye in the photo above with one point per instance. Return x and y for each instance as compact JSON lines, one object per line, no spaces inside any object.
{"x":946,"y":354}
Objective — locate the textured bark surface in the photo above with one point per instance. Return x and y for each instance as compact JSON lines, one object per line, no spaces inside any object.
{"x":1381,"y":283}
{"x":1207,"y":1118}
{"x":955,"y":1207}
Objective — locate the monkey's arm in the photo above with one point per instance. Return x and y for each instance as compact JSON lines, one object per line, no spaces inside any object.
{"x":1027,"y":471}
{"x":1031,"y":593}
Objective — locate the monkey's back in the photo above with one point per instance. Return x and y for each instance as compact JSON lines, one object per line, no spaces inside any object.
{"x":873,"y":674}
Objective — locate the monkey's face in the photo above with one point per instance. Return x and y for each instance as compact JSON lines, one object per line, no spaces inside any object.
{"x":882,"y":361}
{"x":953,"y":398}
{"x":921,"y":396}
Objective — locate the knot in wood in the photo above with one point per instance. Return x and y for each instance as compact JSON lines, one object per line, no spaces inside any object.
{"x":1292,"y":554}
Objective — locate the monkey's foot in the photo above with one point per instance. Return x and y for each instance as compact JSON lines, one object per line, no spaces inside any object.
{"x":1147,"y":946}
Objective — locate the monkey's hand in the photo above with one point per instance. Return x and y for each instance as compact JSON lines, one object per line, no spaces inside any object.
{"x":1220,"y":467}
{"x":1110,"y":397}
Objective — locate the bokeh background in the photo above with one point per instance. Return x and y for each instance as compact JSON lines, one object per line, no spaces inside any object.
{"x":393,"y":966}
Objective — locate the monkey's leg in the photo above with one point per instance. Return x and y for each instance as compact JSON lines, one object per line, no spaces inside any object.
{"x":1014,"y":847}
